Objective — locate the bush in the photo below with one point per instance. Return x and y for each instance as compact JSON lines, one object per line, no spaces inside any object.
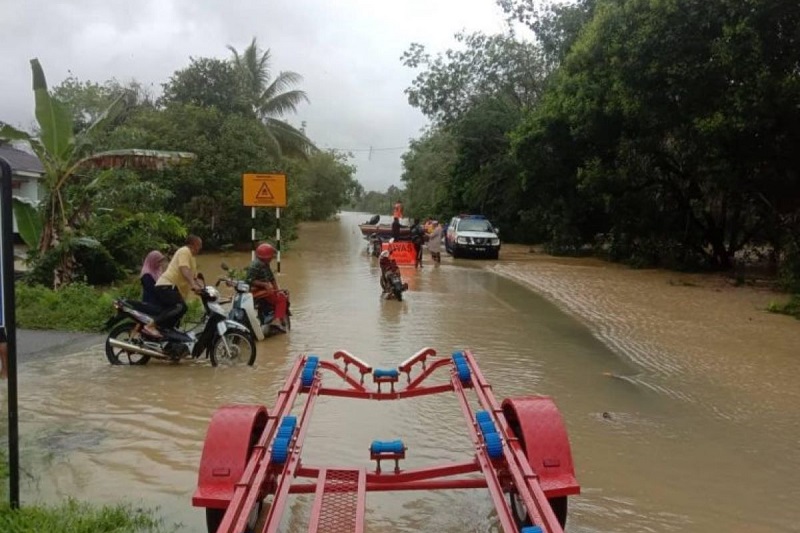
{"x":75,"y":307}
{"x":78,"y":307}
{"x":792,"y":307}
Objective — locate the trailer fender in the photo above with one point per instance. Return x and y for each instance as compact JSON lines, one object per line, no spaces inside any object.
{"x":232,"y":433}
{"x":536,"y":421}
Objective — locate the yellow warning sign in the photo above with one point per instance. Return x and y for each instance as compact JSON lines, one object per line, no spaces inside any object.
{"x":264,"y":190}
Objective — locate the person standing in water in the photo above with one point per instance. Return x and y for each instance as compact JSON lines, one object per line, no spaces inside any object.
{"x":435,"y":242}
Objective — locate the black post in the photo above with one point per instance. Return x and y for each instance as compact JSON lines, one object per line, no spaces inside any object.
{"x":9,"y":321}
{"x":278,"y":234}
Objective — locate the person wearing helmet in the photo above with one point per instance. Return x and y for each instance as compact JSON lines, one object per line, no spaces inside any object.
{"x":387,"y":265}
{"x":260,"y":275}
{"x":175,"y":284}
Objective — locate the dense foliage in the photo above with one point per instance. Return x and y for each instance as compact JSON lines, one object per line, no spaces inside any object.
{"x":653,"y":132}
{"x":96,"y":224}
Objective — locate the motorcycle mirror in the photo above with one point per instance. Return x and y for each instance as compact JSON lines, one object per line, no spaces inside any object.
{"x":225,"y":266}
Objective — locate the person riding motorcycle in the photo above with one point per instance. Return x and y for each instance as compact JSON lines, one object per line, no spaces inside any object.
{"x":174,"y":285}
{"x":388,"y":266}
{"x":260,"y":276}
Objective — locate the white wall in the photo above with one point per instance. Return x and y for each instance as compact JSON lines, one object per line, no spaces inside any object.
{"x":28,"y":188}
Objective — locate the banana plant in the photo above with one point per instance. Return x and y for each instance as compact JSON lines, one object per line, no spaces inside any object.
{"x":64,"y":155}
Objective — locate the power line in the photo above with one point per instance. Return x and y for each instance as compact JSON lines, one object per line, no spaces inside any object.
{"x":370,"y":149}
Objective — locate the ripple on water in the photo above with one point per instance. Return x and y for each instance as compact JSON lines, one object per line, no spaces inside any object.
{"x":630,"y":332}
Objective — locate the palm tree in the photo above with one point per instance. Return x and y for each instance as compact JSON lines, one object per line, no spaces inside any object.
{"x":272,"y":99}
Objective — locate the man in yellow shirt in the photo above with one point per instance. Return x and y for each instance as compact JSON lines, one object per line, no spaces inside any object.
{"x":175,"y":284}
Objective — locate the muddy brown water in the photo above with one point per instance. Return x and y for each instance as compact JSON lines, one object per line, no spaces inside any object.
{"x":680,"y":397}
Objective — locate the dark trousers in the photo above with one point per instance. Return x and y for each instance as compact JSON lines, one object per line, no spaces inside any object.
{"x":172,"y":304}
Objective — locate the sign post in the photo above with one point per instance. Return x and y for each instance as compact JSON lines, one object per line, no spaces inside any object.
{"x":8,"y":322}
{"x":265,"y":190}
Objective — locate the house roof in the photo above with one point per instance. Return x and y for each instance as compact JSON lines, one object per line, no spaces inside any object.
{"x":20,"y":160}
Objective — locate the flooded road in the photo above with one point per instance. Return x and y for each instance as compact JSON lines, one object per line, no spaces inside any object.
{"x":690,"y":442}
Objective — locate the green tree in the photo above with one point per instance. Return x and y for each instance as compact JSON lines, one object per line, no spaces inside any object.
{"x":557,"y":25}
{"x":87,"y":100}
{"x":427,"y":173}
{"x":679,"y":118}
{"x":208,"y":82}
{"x":272,"y":98}
{"x":489,"y":65}
{"x":329,"y":179}
{"x":66,"y":158}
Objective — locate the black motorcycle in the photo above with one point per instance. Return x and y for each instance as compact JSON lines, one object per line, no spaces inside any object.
{"x":222,"y":340}
{"x":391,"y":281}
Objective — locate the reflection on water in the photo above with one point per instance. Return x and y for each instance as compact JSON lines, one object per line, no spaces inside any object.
{"x":658,"y":444}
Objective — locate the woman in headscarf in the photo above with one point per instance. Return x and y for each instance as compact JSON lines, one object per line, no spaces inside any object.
{"x":152,"y":269}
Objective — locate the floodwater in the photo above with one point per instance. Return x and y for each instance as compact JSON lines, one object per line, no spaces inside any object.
{"x":667,"y":434}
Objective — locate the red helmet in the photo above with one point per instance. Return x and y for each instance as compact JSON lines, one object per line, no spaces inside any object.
{"x":265,"y":252}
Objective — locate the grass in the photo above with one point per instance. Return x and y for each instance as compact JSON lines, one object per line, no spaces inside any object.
{"x":76,"y":307}
{"x":72,"y":516}
{"x":791,"y":308}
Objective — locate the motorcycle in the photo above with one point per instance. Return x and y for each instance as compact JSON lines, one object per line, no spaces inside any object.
{"x":222,"y":340}
{"x":246,"y":310}
{"x":391,"y":282}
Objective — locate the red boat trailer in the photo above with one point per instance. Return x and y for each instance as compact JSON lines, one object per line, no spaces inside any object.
{"x":251,"y":454}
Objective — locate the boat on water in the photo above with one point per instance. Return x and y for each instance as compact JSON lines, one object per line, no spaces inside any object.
{"x":373,"y":226}
{"x":382,"y":230}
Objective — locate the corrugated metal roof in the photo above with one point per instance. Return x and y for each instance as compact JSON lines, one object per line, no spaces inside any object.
{"x":19,"y":160}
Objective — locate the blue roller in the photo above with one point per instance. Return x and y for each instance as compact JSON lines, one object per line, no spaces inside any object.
{"x":309,"y":370}
{"x":285,"y":432}
{"x":463,"y":372}
{"x":286,"y":429}
{"x":385,"y":373}
{"x":494,"y":445}
{"x":483,"y":416}
{"x":308,"y":376}
{"x":289,"y":420}
{"x":386,"y":446}
{"x":280,"y":450}
{"x":532,"y":529}
{"x":458,"y":355}
{"x":487,"y":427}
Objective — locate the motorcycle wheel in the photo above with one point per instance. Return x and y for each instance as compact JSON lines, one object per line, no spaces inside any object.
{"x":242,"y":349}
{"x":119,"y":356}
{"x":398,"y":294}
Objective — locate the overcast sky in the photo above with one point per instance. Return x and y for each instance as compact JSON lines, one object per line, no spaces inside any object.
{"x":348,"y":52}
